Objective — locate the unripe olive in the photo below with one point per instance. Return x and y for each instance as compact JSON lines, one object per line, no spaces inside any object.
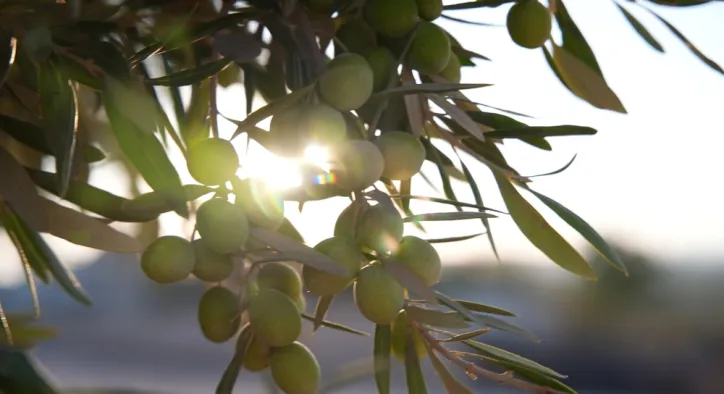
{"x":403,"y":154}
{"x":295,"y":369}
{"x":281,"y":277}
{"x":400,"y":331}
{"x":529,"y":23}
{"x":452,"y":71}
{"x":347,"y":82}
{"x":211,"y":266}
{"x":429,"y":10}
{"x":168,"y":259}
{"x":323,"y":124}
{"x":358,"y":164}
{"x":223,"y":227}
{"x":357,"y":36}
{"x":212,"y":161}
{"x":380,"y":228}
{"x":345,"y":253}
{"x":383,"y":64}
{"x":378,"y":295}
{"x":261,"y":205}
{"x":287,"y":138}
{"x":346,"y":223}
{"x":430,"y":49}
{"x":274,"y":318}
{"x":218,"y":314}
{"x":421,"y":258}
{"x":391,"y":18}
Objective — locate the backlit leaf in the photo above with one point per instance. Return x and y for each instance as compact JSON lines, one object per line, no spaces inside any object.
{"x":154,"y":203}
{"x":436,"y":318}
{"x":447,"y":216}
{"x":479,"y":199}
{"x":335,"y":326}
{"x":452,"y":385}
{"x":476,"y":4}
{"x":468,"y":335}
{"x":381,"y":353}
{"x":573,"y":41}
{"x":459,"y":116}
{"x":18,"y":190}
{"x":502,"y":325}
{"x":452,"y":239}
{"x":423,"y":88}
{"x":191,"y":76}
{"x":408,"y":279}
{"x":323,"y":304}
{"x":541,"y":131}
{"x":640,"y":28}
{"x":484,"y":308}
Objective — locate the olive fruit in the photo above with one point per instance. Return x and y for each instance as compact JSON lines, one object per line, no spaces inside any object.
{"x":357,"y":36}
{"x":346,"y":223}
{"x":391,"y":18}
{"x":281,"y":277}
{"x":430,"y":49}
{"x":383,"y":64}
{"x":256,"y":353}
{"x":403,"y":154}
{"x":223,"y":227}
{"x":347,"y":82}
{"x":358,"y":164}
{"x":274,"y":318}
{"x":380,"y":228}
{"x":529,"y":23}
{"x":451,"y":72}
{"x":400,"y":332}
{"x":421,"y":258}
{"x":378,"y":295}
{"x":323,"y":124}
{"x":218,"y":314}
{"x":288,"y":137}
{"x":210,"y":266}
{"x":212,"y":161}
{"x":345,"y":253}
{"x":429,"y":10}
{"x":294,"y":369}
{"x":261,"y":204}
{"x":168,"y":259}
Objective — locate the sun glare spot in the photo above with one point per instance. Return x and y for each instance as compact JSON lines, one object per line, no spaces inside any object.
{"x":317,"y":155}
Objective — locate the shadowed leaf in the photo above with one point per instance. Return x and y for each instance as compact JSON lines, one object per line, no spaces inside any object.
{"x":452,"y":385}
{"x":191,"y":76}
{"x":270,"y":109}
{"x":427,"y":88}
{"x":381,"y":353}
{"x":468,"y":335}
{"x":335,"y":326}
{"x":18,"y":190}
{"x":435,"y":318}
{"x":323,"y":304}
{"x":413,"y":372}
{"x":498,"y":353}
{"x":408,"y":279}
{"x":640,"y":28}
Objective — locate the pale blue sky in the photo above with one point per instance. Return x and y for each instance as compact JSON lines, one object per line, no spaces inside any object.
{"x":647,"y":179}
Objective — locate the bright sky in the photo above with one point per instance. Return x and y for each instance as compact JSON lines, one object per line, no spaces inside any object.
{"x":644,"y":180}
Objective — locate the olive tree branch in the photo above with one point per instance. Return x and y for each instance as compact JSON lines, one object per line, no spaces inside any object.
{"x":505,"y":378}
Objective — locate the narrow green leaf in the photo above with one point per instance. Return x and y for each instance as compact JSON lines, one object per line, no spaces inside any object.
{"x":145,"y":152}
{"x":287,"y":229}
{"x":413,"y":372}
{"x":585,"y":230}
{"x":541,"y":131}
{"x":37,"y":250}
{"x":25,"y":335}
{"x":441,"y":161}
{"x":640,"y":28}
{"x":468,"y":335}
{"x":408,"y":279}
{"x":26,"y":251}
{"x":502,"y":325}
{"x":270,"y":109}
{"x":584,"y":82}
{"x":688,"y":43}
{"x":447,"y":216}
{"x":476,"y":4}
{"x":484,"y":308}
{"x":573,"y":40}
{"x":18,"y":190}
{"x":8,"y":48}
{"x":540,"y":233}
{"x":459,"y":116}
{"x":20,"y":372}
{"x":436,"y":318}
{"x":427,"y":88}
{"x":406,"y":189}
{"x":479,"y":200}
{"x":32,"y":136}
{"x":541,"y":380}
{"x":538,"y":142}
{"x":495,"y":121}
{"x":80,"y":229}
{"x":558,"y":171}
{"x":335,"y":326}
{"x":381,"y":358}
{"x":231,"y":373}
{"x":452,"y":239}
{"x":501,"y":354}
{"x":60,"y":118}
{"x":392,"y":190}
{"x":452,"y":385}
{"x":552,"y":65}
{"x":323,"y":304}
{"x":154,"y":203}
{"x":191,"y":76}
{"x":444,"y":201}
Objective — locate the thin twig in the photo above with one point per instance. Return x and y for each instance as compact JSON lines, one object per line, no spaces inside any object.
{"x":505,"y":379}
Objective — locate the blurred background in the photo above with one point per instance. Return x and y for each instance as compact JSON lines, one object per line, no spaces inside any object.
{"x":643,"y":181}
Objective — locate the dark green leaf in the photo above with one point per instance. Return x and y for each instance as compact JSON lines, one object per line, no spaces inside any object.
{"x":19,"y":374}
{"x":502,"y":325}
{"x":27,"y":252}
{"x":413,"y":371}
{"x":476,"y":4}
{"x":18,"y":190}
{"x":323,"y":304}
{"x":60,"y":118}
{"x":479,"y":200}
{"x":501,"y":354}
{"x":231,"y":373}
{"x":40,"y":255}
{"x":24,"y":335}
{"x":468,"y":335}
{"x":191,"y":76}
{"x":688,"y":43}
{"x":452,"y":239}
{"x":681,"y":3}
{"x":540,"y":233}
{"x":640,"y":28}
{"x":468,"y":22}
{"x":335,"y":326}
{"x":573,"y":40}
{"x":584,"y":82}
{"x":270,"y":109}
{"x":405,"y":189}
{"x":408,"y":279}
{"x":381,"y":360}
{"x":237,"y":45}
{"x":152,"y":204}
{"x":436,"y":318}
{"x":538,"y":142}
{"x":427,"y":88}
{"x":558,"y":171}
{"x":8,"y":47}
{"x":447,"y":216}
{"x":144,"y":151}
{"x":541,"y":131}
{"x":541,"y":380}
{"x":585,"y":230}
{"x":398,"y":202}
{"x":297,"y":251}
{"x":32,"y":136}
{"x":484,"y":308}
{"x":78,"y":72}
{"x":495,"y":121}
{"x":452,"y":385}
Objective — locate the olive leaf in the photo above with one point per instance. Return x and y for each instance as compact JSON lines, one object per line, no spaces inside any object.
{"x":436,"y":318}
{"x":18,"y":190}
{"x":21,"y":372}
{"x":512,"y":358}
{"x":452,"y":239}
{"x":459,"y":116}
{"x":231,"y":373}
{"x":640,"y":28}
{"x":191,"y":76}
{"x":323,"y":304}
{"x":502,"y":325}
{"x":428,"y":88}
{"x":408,"y":279}
{"x":382,"y":350}
{"x":335,"y":326}
{"x":467,"y":335}
{"x":476,"y":4}
{"x":25,"y":335}
{"x":452,"y":385}
{"x":447,"y":216}
{"x":413,"y":372}
{"x":479,"y":200}
{"x":484,"y":308}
